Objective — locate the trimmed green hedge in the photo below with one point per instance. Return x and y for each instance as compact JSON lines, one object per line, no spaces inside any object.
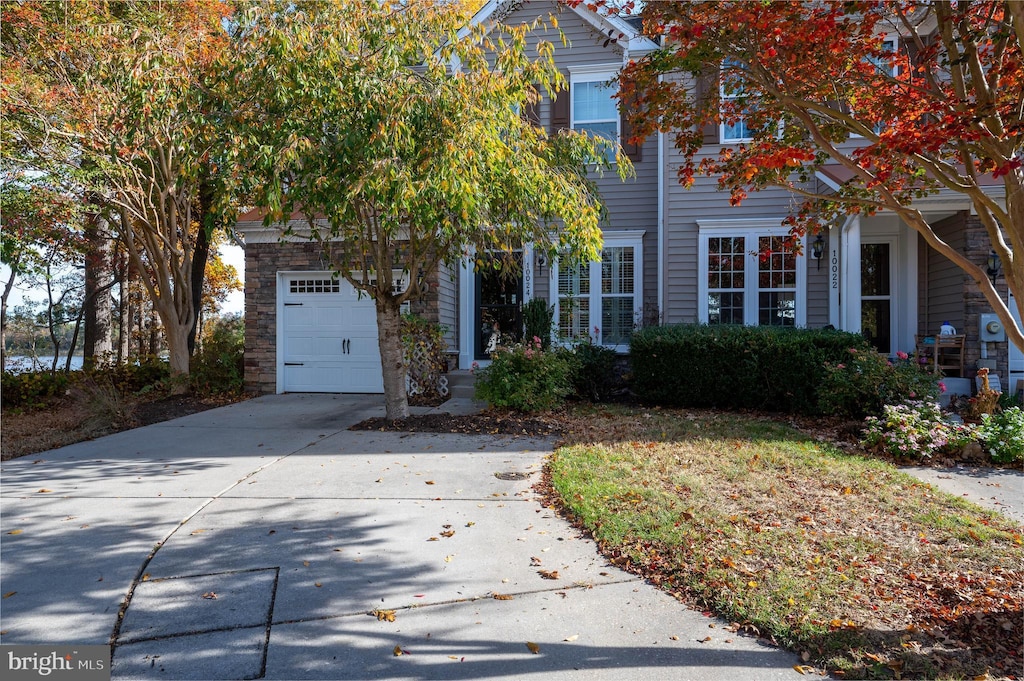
{"x":737,"y":367}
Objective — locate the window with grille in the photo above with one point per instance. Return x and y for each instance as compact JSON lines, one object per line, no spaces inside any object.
{"x":750,"y":277}
{"x":314,"y":286}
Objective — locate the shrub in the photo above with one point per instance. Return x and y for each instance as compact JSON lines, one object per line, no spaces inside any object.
{"x":914,"y":429}
{"x":864,"y":382}
{"x":1002,"y":435}
{"x":593,"y":372}
{"x":736,"y":366}
{"x":537,"y":321}
{"x":33,"y":389}
{"x":218,"y":365}
{"x":525,"y":377}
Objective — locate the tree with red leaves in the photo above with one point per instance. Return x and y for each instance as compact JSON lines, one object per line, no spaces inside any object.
{"x":910,"y":98}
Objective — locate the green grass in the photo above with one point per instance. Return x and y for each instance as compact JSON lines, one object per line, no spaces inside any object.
{"x":840,"y":556}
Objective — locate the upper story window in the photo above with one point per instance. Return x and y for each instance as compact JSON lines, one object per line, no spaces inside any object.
{"x":594,"y":108}
{"x":735,"y":130}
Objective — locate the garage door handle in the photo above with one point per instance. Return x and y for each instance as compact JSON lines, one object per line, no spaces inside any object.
{"x":345,"y":346}
{"x":294,"y":364}
{"x":292,"y":304}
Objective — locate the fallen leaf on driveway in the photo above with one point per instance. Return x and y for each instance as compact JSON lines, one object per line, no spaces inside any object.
{"x":572,"y":638}
{"x":430,"y":482}
{"x":534,"y":648}
{"x":503,"y":597}
{"x":448,"y":533}
{"x":9,"y":594}
{"x":448,"y":559}
{"x":44,"y":491}
{"x":397,"y":652}
{"x":433,"y":539}
{"x":15,"y":531}
{"x":210,"y":596}
{"x":548,"y":574}
{"x":384,"y":615}
{"x":535,"y":561}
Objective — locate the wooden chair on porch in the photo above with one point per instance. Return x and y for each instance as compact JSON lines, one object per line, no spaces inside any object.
{"x":943,"y":353}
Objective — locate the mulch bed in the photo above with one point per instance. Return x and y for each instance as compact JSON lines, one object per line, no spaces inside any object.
{"x":486,"y":423}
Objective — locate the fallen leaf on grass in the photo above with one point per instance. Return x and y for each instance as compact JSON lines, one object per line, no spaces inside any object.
{"x":503,"y":597}
{"x":534,"y":648}
{"x":384,"y":615}
{"x":210,"y":596}
{"x":548,"y":574}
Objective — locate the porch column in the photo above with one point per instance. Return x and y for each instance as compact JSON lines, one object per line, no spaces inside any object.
{"x":466,"y":316}
{"x":849,"y":291}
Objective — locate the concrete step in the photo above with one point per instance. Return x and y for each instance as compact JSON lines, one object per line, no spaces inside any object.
{"x":461,"y":377}
{"x":467,"y":391}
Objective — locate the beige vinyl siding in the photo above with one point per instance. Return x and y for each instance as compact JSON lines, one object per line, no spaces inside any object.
{"x":448,"y":304}
{"x":942,"y":284}
{"x":817,"y":288}
{"x":705,"y":201}
{"x":632,"y":204}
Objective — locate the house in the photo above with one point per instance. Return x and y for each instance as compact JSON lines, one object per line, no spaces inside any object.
{"x":670,"y":255}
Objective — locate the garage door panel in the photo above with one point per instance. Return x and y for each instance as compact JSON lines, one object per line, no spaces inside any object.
{"x":365,"y":377}
{"x":300,"y":317}
{"x":313,"y":379}
{"x":318,"y":316}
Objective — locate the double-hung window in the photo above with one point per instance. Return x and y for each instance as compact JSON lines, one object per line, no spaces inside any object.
{"x":602,"y":300}
{"x":594,"y":108}
{"x":748,"y":276}
{"x":734,"y":124}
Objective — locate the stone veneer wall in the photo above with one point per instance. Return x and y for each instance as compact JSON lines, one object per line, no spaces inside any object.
{"x":262,"y":263}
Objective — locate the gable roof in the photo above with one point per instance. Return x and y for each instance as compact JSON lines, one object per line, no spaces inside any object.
{"x":626,"y":34}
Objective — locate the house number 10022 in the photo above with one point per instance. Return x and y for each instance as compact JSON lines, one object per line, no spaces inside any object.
{"x":835,"y":268}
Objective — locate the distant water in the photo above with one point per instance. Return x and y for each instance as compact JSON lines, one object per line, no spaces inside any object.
{"x":17,"y":364}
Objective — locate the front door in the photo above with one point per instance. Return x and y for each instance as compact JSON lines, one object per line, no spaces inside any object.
{"x":876,"y":295}
{"x":499,"y":305}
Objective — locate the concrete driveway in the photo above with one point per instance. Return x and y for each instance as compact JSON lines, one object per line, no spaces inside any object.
{"x":252,"y":541}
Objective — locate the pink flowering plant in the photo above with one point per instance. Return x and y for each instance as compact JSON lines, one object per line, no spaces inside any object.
{"x":525,"y":377}
{"x":914,"y":430}
{"x":865,"y":382}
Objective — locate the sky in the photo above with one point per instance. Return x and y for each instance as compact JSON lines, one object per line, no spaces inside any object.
{"x":231,"y":254}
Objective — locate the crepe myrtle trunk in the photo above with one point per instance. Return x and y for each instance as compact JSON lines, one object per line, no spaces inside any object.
{"x":392,"y":358}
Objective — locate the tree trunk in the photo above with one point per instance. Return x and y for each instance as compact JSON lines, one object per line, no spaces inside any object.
{"x":123,"y":320}
{"x":199,"y":257}
{"x":98,"y":300}
{"x":392,"y":358}
{"x":178,"y":355}
{"x":8,"y":287}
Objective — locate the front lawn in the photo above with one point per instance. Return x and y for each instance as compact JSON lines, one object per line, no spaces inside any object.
{"x":861,"y":569}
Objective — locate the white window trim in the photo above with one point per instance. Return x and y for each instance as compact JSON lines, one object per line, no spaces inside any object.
{"x":722,"y":126}
{"x":750,"y":230}
{"x":632,"y":239}
{"x":894,"y":45}
{"x":594,"y":73}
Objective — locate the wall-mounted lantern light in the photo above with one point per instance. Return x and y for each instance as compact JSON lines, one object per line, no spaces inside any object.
{"x":993,"y":267}
{"x":818,"y":248}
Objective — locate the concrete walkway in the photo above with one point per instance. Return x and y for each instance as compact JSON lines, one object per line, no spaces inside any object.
{"x":1000,"y":489}
{"x":251,"y":541}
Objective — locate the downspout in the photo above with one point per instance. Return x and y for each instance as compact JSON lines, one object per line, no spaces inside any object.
{"x":662,"y":255}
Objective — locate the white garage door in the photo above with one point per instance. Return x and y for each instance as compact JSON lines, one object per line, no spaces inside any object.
{"x":328,"y":336}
